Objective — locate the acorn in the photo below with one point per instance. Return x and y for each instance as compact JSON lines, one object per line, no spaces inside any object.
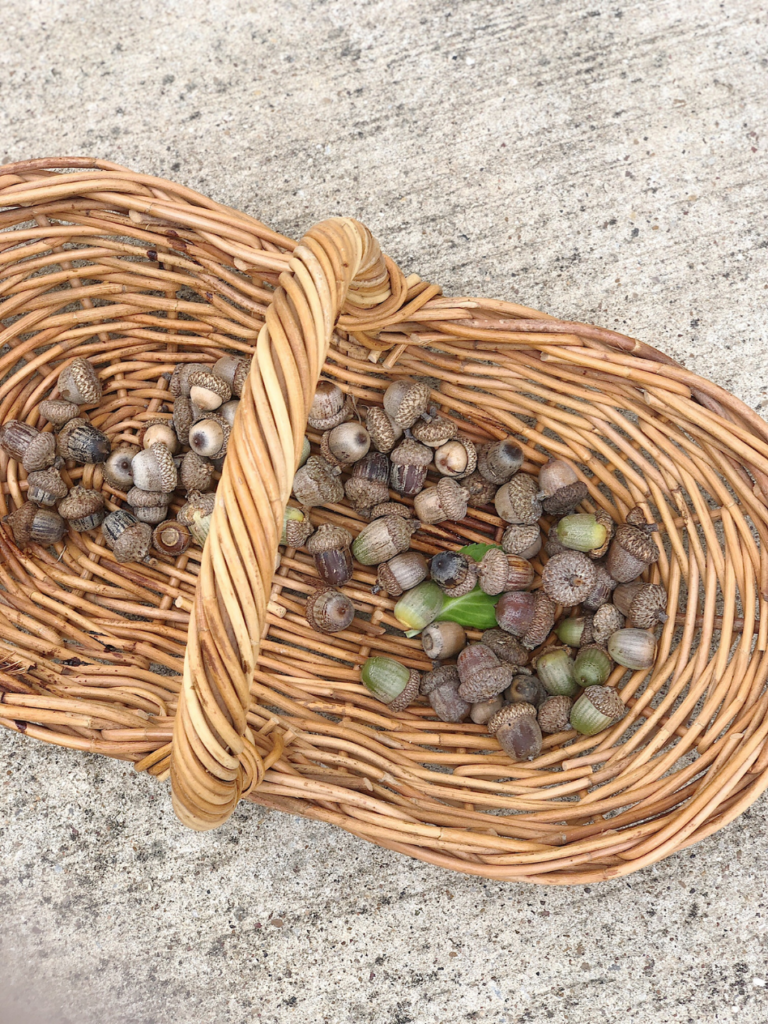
{"x":560,"y":488}
{"x":296,"y":528}
{"x":555,"y":714}
{"x":197,"y":515}
{"x":636,"y":517}
{"x":525,"y":690}
{"x":419,"y":606}
{"x":603,"y":519}
{"x":484,"y":683}
{"x":149,"y":506}
{"x":171,"y":538}
{"x":117,"y":470}
{"x":581,"y":532}
{"x":591,"y":666}
{"x":601,"y":591}
{"x":58,"y":412}
{"x":552,"y":545}
{"x":514,"y":612}
{"x":569,"y":578}
{"x":329,"y":546}
{"x":596,"y":709}
{"x":555,"y":669}
{"x":499,"y":572}
{"x":481,"y":491}
{"x":633,"y":648}
{"x":517,"y":731}
{"x":476,"y":658}
{"x":383,"y":539}
{"x":484,"y":710}
{"x":391,"y":682}
{"x":575,"y":630}
{"x":606,"y":620}
{"x":329,"y":408}
{"x":388,"y":508}
{"x":499,"y":461}
{"x":83,"y":509}
{"x":543,"y":620}
{"x":128,"y":539}
{"x":179,"y":382}
{"x":506,"y":647}
{"x":441,"y":687}
{"x":456,"y":458}
{"x":345,"y":444}
{"x":228,"y":411}
{"x":409,"y":467}
{"x":45,"y":486}
{"x":30,"y":523}
{"x":209,"y":437}
{"x":401,"y":573}
{"x":522,"y":539}
{"x":29,"y":446}
{"x":306,"y":450}
{"x":442,"y":640}
{"x":83,"y":443}
{"x":516,"y":501}
{"x":630,"y":553}
{"x":405,"y":401}
{"x":154,"y":469}
{"x":78,"y":383}
{"x":448,"y":500}
{"x":234,"y":370}
{"x":383,"y":432}
{"x":183,"y":418}
{"x":453,"y":572}
{"x":159,"y":431}
{"x":316,"y":483}
{"x":644,"y":604}
{"x":329,"y":611}
{"x":369,"y":483}
{"x":435,"y":432}
{"x":196,"y":473}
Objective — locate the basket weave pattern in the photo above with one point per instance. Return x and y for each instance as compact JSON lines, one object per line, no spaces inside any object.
{"x":204,"y":667}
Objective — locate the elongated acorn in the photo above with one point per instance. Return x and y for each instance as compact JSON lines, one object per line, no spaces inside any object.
{"x":382,"y":539}
{"x":644,"y":604}
{"x":505,"y":646}
{"x":329,"y":611}
{"x":522,"y":539}
{"x":32,"y":524}
{"x":346,"y":444}
{"x":171,"y":538}
{"x":569,"y":578}
{"x":499,"y":461}
{"x":197,"y":515}
{"x":543,"y":620}
{"x":83,"y":509}
{"x":403,"y":572}
{"x":330,"y":547}
{"x":316,"y":483}
{"x":633,"y":648}
{"x":596,"y":709}
{"x":581,"y":532}
{"x":631,"y":551}
{"x":384,"y":433}
{"x":525,"y":689}
{"x":329,"y":408}
{"x":442,"y":640}
{"x":456,"y":458}
{"x":27,"y":445}
{"x":409,"y":461}
{"x":517,"y":501}
{"x":45,"y":486}
{"x":483,"y":710}
{"x":58,"y":412}
{"x":118,"y":469}
{"x":454,"y":573}
{"x":83,"y":443}
{"x":128,"y":539}
{"x":499,"y":572}
{"x":296,"y":528}
{"x":391,"y":682}
{"x":405,"y":401}
{"x":448,"y":500}
{"x":79,"y":383}
{"x":575,"y":630}
{"x":420,"y":606}
{"x":592,"y":666}
{"x":369,"y":483}
{"x":606,"y":620}
{"x":481,"y":491}
{"x":555,"y":714}
{"x":517,"y":731}
{"x":555,"y":669}
{"x":441,"y":687}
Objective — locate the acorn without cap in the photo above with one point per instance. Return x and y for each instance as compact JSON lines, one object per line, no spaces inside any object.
{"x":442,"y":640}
{"x":456,"y":458}
{"x":499,"y":461}
{"x":383,"y":432}
{"x":405,"y":401}
{"x":117,"y":471}
{"x":330,"y":548}
{"x":483,"y":710}
{"x":32,"y":524}
{"x":45,"y":486}
{"x":79,"y":383}
{"x":316,"y":483}
{"x":209,"y":437}
{"x":448,"y":500}
{"x":526,"y":689}
{"x":345,"y":444}
{"x":517,"y":731}
{"x":631,"y":551}
{"x":517,"y":501}
{"x":83,"y":509}
{"x":410,"y":461}
{"x":128,"y":539}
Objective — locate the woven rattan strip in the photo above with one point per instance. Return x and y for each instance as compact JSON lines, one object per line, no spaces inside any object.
{"x":204,"y":669}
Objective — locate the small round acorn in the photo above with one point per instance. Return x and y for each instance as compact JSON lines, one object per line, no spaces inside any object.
{"x":499,"y":461}
{"x":631,"y":552}
{"x":330,"y":548}
{"x":456,"y":458}
{"x":481,"y":491}
{"x":517,"y":731}
{"x":448,"y":500}
{"x":45,"y":486}
{"x":345,"y":444}
{"x":128,"y":539}
{"x":644,"y":604}
{"x":83,"y":509}
{"x":410,"y":461}
{"x":330,"y":407}
{"x":442,"y":640}
{"x":209,"y":437}
{"x":79,"y":383}
{"x":568,"y":578}
{"x":159,"y":431}
{"x":58,"y":412}
{"x":117,"y":470}
{"x":441,"y":687}
{"x":405,"y":401}
{"x":517,"y":501}
{"x":329,"y":611}
{"x":154,"y":469}
{"x":522,"y":539}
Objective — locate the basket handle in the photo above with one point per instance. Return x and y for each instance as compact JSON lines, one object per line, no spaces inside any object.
{"x":337,"y":265}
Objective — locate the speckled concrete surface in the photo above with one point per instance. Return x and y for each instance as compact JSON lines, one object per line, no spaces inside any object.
{"x":606,"y":163}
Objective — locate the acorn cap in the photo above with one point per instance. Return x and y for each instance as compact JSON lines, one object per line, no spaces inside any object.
{"x":138,"y":498}
{"x":179,"y":382}
{"x":133,"y":544}
{"x":390,"y":508}
{"x":168,"y":472}
{"x":565,"y":499}
{"x":601,"y":591}
{"x":364,"y":493}
{"x":493,"y":572}
{"x":543,"y":620}
{"x":453,"y":498}
{"x":384,"y":433}
{"x":606,"y":620}
{"x":568,"y":578}
{"x":40,"y":453}
{"x":607,"y":701}
{"x":518,"y":537}
{"x":554,"y":714}
{"x":411,"y":453}
{"x":196,"y":472}
{"x":602,"y":517}
{"x":208,"y":381}
{"x":445,"y":675}
{"x":78,"y":383}
{"x":20,"y":523}
{"x":57,"y":411}
{"x":47,"y":480}
{"x":481,"y":491}
{"x":646,"y":605}
{"x":637,"y":543}
{"x":467,"y":585}
{"x":297,"y":531}
{"x":636,"y":517}
{"x":409,"y":694}
{"x":81,"y":502}
{"x":329,"y":537}
{"x":183,"y":418}
{"x":505,"y":646}
{"x":406,"y":400}
{"x":241,"y":376}
{"x":485,"y":683}
{"x":434,"y":432}
{"x":316,"y":483}
{"x":517,"y":501}
{"x":197,"y":505}
{"x":508,"y":714}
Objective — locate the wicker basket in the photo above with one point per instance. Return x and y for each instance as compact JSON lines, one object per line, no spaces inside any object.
{"x":205,"y":669}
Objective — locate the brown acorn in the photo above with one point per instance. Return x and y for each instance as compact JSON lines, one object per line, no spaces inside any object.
{"x":330,"y":548}
{"x":473,"y":658}
{"x":484,"y":710}
{"x":79,"y":383}
{"x":454,"y":573}
{"x":499,"y":572}
{"x":456,"y":458}
{"x":171,"y":538}
{"x":514,"y":612}
{"x":560,"y":488}
{"x":384,"y":433}
{"x":434,"y":432}
{"x":542,"y":622}
{"x":317,"y":483}
{"x":448,"y":500}
{"x":517,"y":731}
{"x":369,"y":483}
{"x":606,"y":620}
{"x":405,"y":401}
{"x":179,"y":382}
{"x":410,"y":461}
{"x":554,"y":714}
{"x":83,"y":443}
{"x":631,"y":552}
{"x":522,"y":539}
{"x":403,"y":572}
{"x":441,"y":687}
{"x":485,"y":683}
{"x":517,"y":501}
{"x":45,"y":486}
{"x":330,"y":407}
{"x":601,"y":591}
{"x":526,"y":689}
{"x":117,"y":470}
{"x":499,"y":461}
{"x":149,"y":506}
{"x":505,"y":646}
{"x":32,"y":524}
{"x":58,"y":412}
{"x":644,"y":604}
{"x":481,"y":491}
{"x":297,"y":527}
{"x":196,"y":473}
{"x":636,"y":517}
{"x":83,"y":509}
{"x":183,"y":418}
{"x":388,"y":508}
{"x":383,"y":539}
{"x":568,"y":578}
{"x":329,"y":611}
{"x":442,"y":640}
{"x":32,"y":448}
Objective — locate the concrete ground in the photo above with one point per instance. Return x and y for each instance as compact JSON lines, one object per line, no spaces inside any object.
{"x":606,"y":162}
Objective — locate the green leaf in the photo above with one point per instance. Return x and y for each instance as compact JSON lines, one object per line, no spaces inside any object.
{"x":476,"y":551}
{"x":474,"y":610}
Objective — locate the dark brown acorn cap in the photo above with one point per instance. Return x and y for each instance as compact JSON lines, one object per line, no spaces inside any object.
{"x":445,"y":675}
{"x":565,"y":499}
{"x":555,"y":714}
{"x":412,"y":399}
{"x":316,"y":483}
{"x":408,"y":695}
{"x":47,"y":480}
{"x":508,"y":714}
{"x":601,"y":592}
{"x":384,"y":433}
{"x":241,"y":376}
{"x":607,"y":619}
{"x":636,"y":517}
{"x":21,"y":521}
{"x":329,"y":537}
{"x":543,"y":620}
{"x":637,"y":543}
{"x":494,"y":571}
{"x":568,"y":578}
{"x":196,"y":472}
{"x":390,"y":508}
{"x":183,"y":418}
{"x":57,"y":411}
{"x":505,"y":646}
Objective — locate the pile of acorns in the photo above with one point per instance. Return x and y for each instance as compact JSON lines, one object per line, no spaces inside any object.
{"x":184,"y":449}
{"x":593,"y":567}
